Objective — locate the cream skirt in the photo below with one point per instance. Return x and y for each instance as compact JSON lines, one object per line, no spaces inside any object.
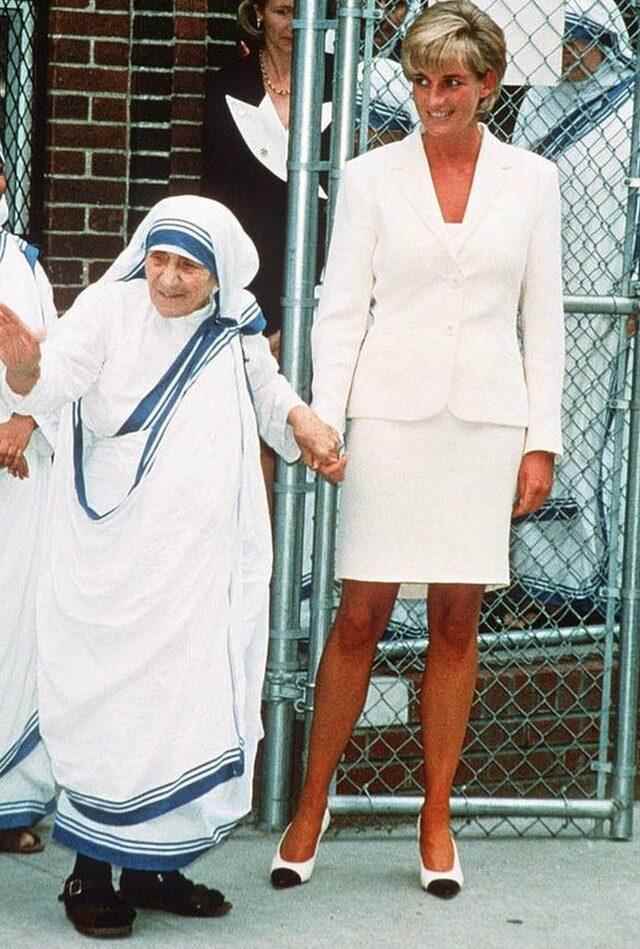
{"x":428,"y":501}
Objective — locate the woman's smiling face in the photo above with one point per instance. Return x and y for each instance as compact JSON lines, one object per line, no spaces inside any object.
{"x":447,"y":100}
{"x":177,"y":285}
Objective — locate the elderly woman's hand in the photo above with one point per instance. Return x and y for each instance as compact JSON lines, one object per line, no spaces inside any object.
{"x":19,"y":351}
{"x":319,"y":443}
{"x":14,"y":439}
{"x":20,"y":469}
{"x":535,"y":478}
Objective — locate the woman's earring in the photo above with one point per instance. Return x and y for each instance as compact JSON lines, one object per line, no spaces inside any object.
{"x":259,"y":21}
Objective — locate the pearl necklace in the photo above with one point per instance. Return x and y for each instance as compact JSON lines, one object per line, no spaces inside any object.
{"x":267,"y":81}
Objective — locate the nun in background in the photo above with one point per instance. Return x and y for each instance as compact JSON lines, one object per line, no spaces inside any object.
{"x":26,"y":782}
{"x":560,"y":555}
{"x":153,"y":600}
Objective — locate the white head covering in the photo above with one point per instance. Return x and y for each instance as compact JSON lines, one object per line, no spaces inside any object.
{"x":202,"y":230}
{"x":602,"y":22}
{"x":544,"y":108}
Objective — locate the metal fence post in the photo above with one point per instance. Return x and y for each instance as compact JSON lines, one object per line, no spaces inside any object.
{"x":625,"y":759}
{"x":344,"y":105}
{"x":283,"y":665}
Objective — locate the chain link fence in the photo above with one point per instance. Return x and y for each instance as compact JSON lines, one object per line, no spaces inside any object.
{"x":543,"y":722}
{"x":19,"y":38}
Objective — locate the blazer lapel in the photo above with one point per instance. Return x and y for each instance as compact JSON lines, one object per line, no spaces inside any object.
{"x":490,"y":180}
{"x":415,"y":182}
{"x":416,"y":185}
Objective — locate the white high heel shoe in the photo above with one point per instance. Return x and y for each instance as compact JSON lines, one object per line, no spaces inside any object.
{"x":442,"y":883}
{"x":285,"y":873}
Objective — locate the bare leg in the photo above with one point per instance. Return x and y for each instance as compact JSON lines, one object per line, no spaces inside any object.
{"x":447,"y":691}
{"x":341,"y":689}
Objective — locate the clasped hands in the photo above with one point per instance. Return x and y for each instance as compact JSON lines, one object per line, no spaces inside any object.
{"x":14,"y":439}
{"x":319,"y":443}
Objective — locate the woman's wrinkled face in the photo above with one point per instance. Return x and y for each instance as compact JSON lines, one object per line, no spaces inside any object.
{"x":277,"y":19}
{"x":447,"y":101}
{"x":580,"y":59}
{"x":177,"y":285}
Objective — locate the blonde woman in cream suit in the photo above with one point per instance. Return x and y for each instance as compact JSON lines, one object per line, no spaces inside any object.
{"x":444,"y":245}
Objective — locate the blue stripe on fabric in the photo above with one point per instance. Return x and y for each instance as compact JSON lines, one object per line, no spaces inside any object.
{"x":158,"y":407}
{"x":30,"y":252}
{"x":586,"y":117}
{"x":160,"y":801}
{"x":555,"y":509}
{"x":177,"y":224}
{"x":137,"y":855}
{"x":178,"y":238}
{"x":22,"y":747}
{"x":144,"y":409}
{"x":580,"y":26}
{"x":24,"y":813}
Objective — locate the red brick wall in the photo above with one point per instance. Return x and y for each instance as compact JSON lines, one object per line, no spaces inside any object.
{"x":533,"y":732}
{"x":125,"y":85}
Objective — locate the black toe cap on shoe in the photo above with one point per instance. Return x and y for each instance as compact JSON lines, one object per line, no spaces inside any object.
{"x":284,"y":879}
{"x":444,"y":889}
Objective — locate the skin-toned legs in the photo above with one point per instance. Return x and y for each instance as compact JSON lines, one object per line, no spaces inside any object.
{"x":341,"y":690}
{"x":447,"y":691}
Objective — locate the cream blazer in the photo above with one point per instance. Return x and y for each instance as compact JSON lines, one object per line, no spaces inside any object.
{"x":411,"y":322}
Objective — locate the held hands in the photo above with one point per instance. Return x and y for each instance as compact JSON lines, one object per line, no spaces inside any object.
{"x":14,"y":439}
{"x":319,"y":443}
{"x":19,"y":351}
{"x":535,"y":479}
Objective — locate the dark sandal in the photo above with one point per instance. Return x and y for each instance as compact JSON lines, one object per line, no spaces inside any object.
{"x":172,"y":893}
{"x":95,"y":909}
{"x":12,"y":841}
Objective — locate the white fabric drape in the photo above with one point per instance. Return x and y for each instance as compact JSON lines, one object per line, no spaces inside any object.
{"x":564,"y":556}
{"x":26,"y":783}
{"x":153,"y":620}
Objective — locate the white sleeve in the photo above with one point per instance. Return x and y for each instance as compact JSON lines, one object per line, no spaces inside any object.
{"x":273,"y":396}
{"x":542,"y":319}
{"x":72,"y":356}
{"x":341,"y":319}
{"x":47,"y":421}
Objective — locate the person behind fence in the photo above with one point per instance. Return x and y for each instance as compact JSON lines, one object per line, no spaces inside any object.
{"x":245,"y":145}
{"x":153,"y":600}
{"x":560,"y":560}
{"x":443,"y":244}
{"x":26,"y":783}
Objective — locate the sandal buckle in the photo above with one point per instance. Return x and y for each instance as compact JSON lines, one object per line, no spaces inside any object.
{"x":75,"y":887}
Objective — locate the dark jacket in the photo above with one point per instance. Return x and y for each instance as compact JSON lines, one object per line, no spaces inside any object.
{"x":235,"y":177}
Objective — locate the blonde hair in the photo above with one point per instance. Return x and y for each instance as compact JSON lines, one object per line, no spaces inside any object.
{"x":247,"y":16}
{"x":456,"y":31}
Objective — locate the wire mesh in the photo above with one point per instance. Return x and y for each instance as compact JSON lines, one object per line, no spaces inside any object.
{"x":542,"y":720}
{"x":17,"y":56}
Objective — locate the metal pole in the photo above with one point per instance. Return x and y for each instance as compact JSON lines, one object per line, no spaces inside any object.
{"x":283,"y":664}
{"x":624,"y":768}
{"x":344,"y":106}
{"x":506,"y":640}
{"x":567,"y":808}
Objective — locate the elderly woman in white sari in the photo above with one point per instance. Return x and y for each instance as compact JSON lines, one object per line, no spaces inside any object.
{"x":153,"y":602}
{"x":559,"y":556}
{"x":26,"y":782}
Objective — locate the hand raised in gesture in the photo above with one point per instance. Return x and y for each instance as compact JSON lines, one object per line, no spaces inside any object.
{"x":19,"y":351}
